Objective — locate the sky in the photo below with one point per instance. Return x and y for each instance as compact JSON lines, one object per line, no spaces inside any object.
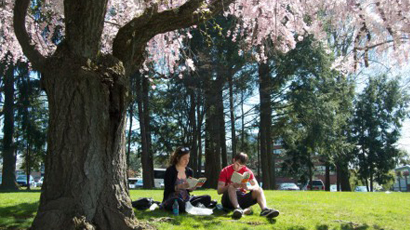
{"x":404,"y":142}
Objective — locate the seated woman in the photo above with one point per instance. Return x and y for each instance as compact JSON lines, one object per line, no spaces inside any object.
{"x":176,"y":186}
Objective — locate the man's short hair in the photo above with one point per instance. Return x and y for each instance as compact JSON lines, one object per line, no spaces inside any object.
{"x":241,"y":157}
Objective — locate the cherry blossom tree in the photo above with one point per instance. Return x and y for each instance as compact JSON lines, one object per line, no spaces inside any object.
{"x":85,"y":74}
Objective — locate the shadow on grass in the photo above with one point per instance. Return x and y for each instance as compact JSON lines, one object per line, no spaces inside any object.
{"x":345,"y":226}
{"x":18,"y":216}
{"x":218,"y":218}
{"x":21,"y":190}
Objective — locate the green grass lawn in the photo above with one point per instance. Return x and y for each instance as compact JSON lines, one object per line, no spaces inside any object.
{"x":299,"y":210}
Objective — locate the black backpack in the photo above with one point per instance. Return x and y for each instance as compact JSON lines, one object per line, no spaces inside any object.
{"x":143,"y":203}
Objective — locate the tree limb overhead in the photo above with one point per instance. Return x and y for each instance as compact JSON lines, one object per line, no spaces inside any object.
{"x":132,"y":38}
{"x":19,"y":19}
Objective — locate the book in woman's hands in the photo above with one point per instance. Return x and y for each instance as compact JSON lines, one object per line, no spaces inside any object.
{"x":240,"y":178}
{"x":194,"y":182}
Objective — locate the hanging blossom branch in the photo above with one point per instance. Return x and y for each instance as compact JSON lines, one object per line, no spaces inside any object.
{"x":133,"y":28}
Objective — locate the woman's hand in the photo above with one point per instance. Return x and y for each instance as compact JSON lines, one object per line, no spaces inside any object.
{"x":192,"y":189}
{"x":184,"y":185}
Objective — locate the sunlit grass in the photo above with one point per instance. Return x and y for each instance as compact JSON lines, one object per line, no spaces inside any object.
{"x":299,"y":210}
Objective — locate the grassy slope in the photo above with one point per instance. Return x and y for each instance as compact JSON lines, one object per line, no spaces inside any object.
{"x":299,"y":210}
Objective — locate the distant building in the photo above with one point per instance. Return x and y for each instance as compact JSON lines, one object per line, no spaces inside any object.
{"x":319,"y":170}
{"x":402,"y":179}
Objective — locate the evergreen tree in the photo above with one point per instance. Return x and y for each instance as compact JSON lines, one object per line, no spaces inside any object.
{"x":379,"y":112}
{"x":9,"y":149}
{"x":31,"y":119}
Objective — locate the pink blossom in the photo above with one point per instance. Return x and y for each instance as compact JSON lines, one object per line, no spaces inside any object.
{"x":277,"y":20}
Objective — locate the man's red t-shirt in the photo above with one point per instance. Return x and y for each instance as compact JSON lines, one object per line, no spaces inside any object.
{"x":226,"y":174}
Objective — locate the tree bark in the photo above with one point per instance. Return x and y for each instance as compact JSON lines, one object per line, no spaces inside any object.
{"x":338,"y":176}
{"x":199,"y":132}
{"x":28,"y":164}
{"x":221,"y":119}
{"x":268,"y":166}
{"x":86,"y":148}
{"x":344,"y":177}
{"x":327,"y":176}
{"x":242,"y":120}
{"x":231,"y":110}
{"x":9,"y":151}
{"x":212,"y":130}
{"x":371,"y":182}
{"x":310,"y":167}
{"x":146,"y":156}
{"x":193,"y":130}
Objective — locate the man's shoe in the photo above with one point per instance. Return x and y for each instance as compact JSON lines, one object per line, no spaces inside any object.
{"x":269,"y":213}
{"x":237,"y":213}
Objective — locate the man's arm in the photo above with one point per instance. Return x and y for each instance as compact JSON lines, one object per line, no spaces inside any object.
{"x":222,"y":187}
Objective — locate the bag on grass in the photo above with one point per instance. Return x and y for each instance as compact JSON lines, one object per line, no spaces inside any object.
{"x":143,"y":203}
{"x":189,"y":208}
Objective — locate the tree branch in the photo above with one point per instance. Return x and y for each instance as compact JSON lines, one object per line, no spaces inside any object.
{"x":20,"y":12}
{"x":131,"y":40}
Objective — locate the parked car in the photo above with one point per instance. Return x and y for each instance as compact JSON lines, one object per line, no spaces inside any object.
{"x":139,"y":183}
{"x":288,"y":186}
{"x":360,"y":189}
{"x":22,"y":181}
{"x":316,"y":185}
{"x":132,"y":182}
{"x":40,"y":182}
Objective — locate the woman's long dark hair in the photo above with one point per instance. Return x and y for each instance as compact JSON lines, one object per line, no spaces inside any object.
{"x":177,"y":154}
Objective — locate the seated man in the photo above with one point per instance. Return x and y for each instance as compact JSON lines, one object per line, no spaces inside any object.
{"x":235,"y":195}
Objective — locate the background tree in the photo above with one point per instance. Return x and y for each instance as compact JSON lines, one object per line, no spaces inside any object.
{"x":316,"y":108}
{"x":380,"y":111}
{"x":147,"y":162}
{"x":31,"y":120}
{"x":9,"y":149}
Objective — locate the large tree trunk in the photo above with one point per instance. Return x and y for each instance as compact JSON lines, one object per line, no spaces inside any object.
{"x":268,"y":166}
{"x":344,"y":177}
{"x":194,"y":133}
{"x":85,"y":184}
{"x":146,"y":156}
{"x":147,"y":119}
{"x":327,"y":176}
{"x":232,"y":115}
{"x":370,"y":187}
{"x":338,"y":178}
{"x":221,"y":119}
{"x":200,"y":117}
{"x":28,"y":164}
{"x":212,"y":130}
{"x":310,"y":170}
{"x":243,"y":120}
{"x":9,"y":152}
